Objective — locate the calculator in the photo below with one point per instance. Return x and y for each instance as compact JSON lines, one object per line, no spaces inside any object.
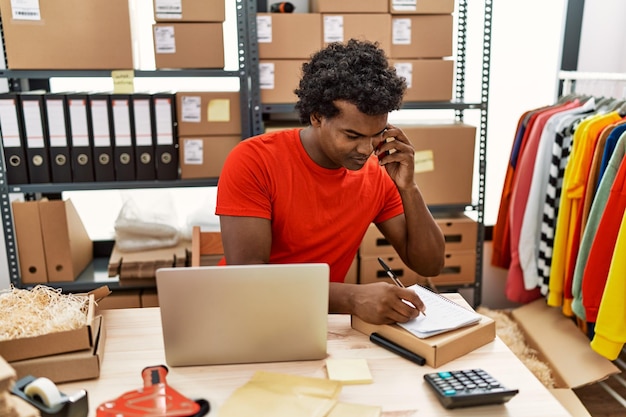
{"x":469,"y":387}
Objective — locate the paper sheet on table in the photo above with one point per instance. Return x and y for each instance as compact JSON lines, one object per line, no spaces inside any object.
{"x":282,"y":395}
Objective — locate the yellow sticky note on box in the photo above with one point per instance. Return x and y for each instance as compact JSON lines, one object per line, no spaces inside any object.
{"x":349,"y":371}
{"x":218,"y":110}
{"x":424,"y":161}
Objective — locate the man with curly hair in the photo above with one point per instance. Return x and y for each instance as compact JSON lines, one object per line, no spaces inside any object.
{"x":309,"y":194}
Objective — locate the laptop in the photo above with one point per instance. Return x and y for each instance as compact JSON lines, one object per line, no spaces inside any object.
{"x":243,"y":313}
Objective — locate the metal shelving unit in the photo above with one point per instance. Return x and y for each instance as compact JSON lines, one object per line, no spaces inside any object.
{"x":96,"y":274}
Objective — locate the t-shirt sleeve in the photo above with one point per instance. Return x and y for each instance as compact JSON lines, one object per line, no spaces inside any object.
{"x":243,"y":188}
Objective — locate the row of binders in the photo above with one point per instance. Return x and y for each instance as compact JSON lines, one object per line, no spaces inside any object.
{"x":87,"y":137}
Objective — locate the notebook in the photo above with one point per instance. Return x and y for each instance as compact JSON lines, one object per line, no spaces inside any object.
{"x":243,"y":314}
{"x":442,"y":315}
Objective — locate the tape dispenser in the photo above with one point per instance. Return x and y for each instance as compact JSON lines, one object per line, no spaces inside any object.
{"x":44,"y":395}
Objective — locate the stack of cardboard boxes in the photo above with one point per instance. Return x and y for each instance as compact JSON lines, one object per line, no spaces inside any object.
{"x":209,"y":126}
{"x":417,"y":39}
{"x":189,"y":34}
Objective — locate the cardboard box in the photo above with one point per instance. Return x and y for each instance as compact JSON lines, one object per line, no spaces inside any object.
{"x":349,"y":6}
{"x":375,"y":244}
{"x":444,"y":161}
{"x":30,"y":250}
{"x":352,"y":277}
{"x":421,"y":7}
{"x":67,"y":245}
{"x":67,"y":367}
{"x":421,"y":36}
{"x":121,"y":299}
{"x":371,"y":271}
{"x":427,"y":79}
{"x":440,"y":349}
{"x":189,"y":11}
{"x":149,"y":298}
{"x":459,"y":268}
{"x":54,"y":343}
{"x":208,"y":113}
{"x":278,"y":79}
{"x":374,"y":27}
{"x":459,"y":231}
{"x":188,"y":45}
{"x":72,"y":34}
{"x":277,"y":35}
{"x":203,"y":157}
{"x":562,"y":345}
{"x":140,"y":267}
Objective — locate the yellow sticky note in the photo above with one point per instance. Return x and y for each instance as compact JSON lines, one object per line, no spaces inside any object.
{"x":424,"y":161}
{"x":349,"y":371}
{"x":123,"y":81}
{"x":219,"y":110}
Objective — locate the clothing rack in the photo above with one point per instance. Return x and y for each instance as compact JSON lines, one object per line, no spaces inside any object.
{"x":569,"y":79}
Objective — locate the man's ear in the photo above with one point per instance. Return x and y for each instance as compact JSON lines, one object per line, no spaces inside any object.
{"x":316,"y":119}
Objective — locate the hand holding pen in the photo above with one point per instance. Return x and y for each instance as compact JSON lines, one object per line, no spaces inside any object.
{"x":399,"y":283}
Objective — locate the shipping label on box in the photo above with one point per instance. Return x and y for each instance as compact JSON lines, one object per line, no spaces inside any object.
{"x":189,"y":10}
{"x":421,"y":6}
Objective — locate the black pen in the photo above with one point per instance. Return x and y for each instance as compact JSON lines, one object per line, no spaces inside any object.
{"x":394,"y":277}
{"x":389,"y":272}
{"x":397,"y":349}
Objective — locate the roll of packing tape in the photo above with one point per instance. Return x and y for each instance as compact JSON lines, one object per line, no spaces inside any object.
{"x":43,"y":390}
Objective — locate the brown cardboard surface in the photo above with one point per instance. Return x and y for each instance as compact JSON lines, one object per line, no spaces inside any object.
{"x":278,"y":79}
{"x":142,"y":265}
{"x":352,"y":276}
{"x":74,"y":34}
{"x":149,"y":298}
{"x":430,"y":37}
{"x":440,"y":349}
{"x":278,"y":37}
{"x":349,"y":6}
{"x":52,"y":343}
{"x":370,"y":270}
{"x":444,"y":161}
{"x":66,"y":367}
{"x":422,"y":7}
{"x":121,"y":299}
{"x":7,"y":375}
{"x":204,"y":156}
{"x":66,"y":242}
{"x":187,"y":53}
{"x":561,"y":344}
{"x":30,"y":248}
{"x":374,"y":27}
{"x":570,"y":401}
{"x":208,"y":113}
{"x":459,"y":231}
{"x":194,"y":11}
{"x":375,"y":244}
{"x":427,"y":79}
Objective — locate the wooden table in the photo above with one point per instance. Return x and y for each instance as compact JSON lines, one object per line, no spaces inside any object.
{"x":134,"y":341}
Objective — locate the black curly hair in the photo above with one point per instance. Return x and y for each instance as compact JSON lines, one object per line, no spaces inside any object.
{"x":355,"y":71}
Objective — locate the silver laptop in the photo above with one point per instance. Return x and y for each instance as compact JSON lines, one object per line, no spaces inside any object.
{"x":243,"y":314}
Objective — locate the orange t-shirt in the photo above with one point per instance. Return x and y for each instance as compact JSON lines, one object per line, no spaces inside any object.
{"x":317,"y":214}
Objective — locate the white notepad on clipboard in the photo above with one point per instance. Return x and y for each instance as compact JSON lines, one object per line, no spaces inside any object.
{"x":442,"y":316}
